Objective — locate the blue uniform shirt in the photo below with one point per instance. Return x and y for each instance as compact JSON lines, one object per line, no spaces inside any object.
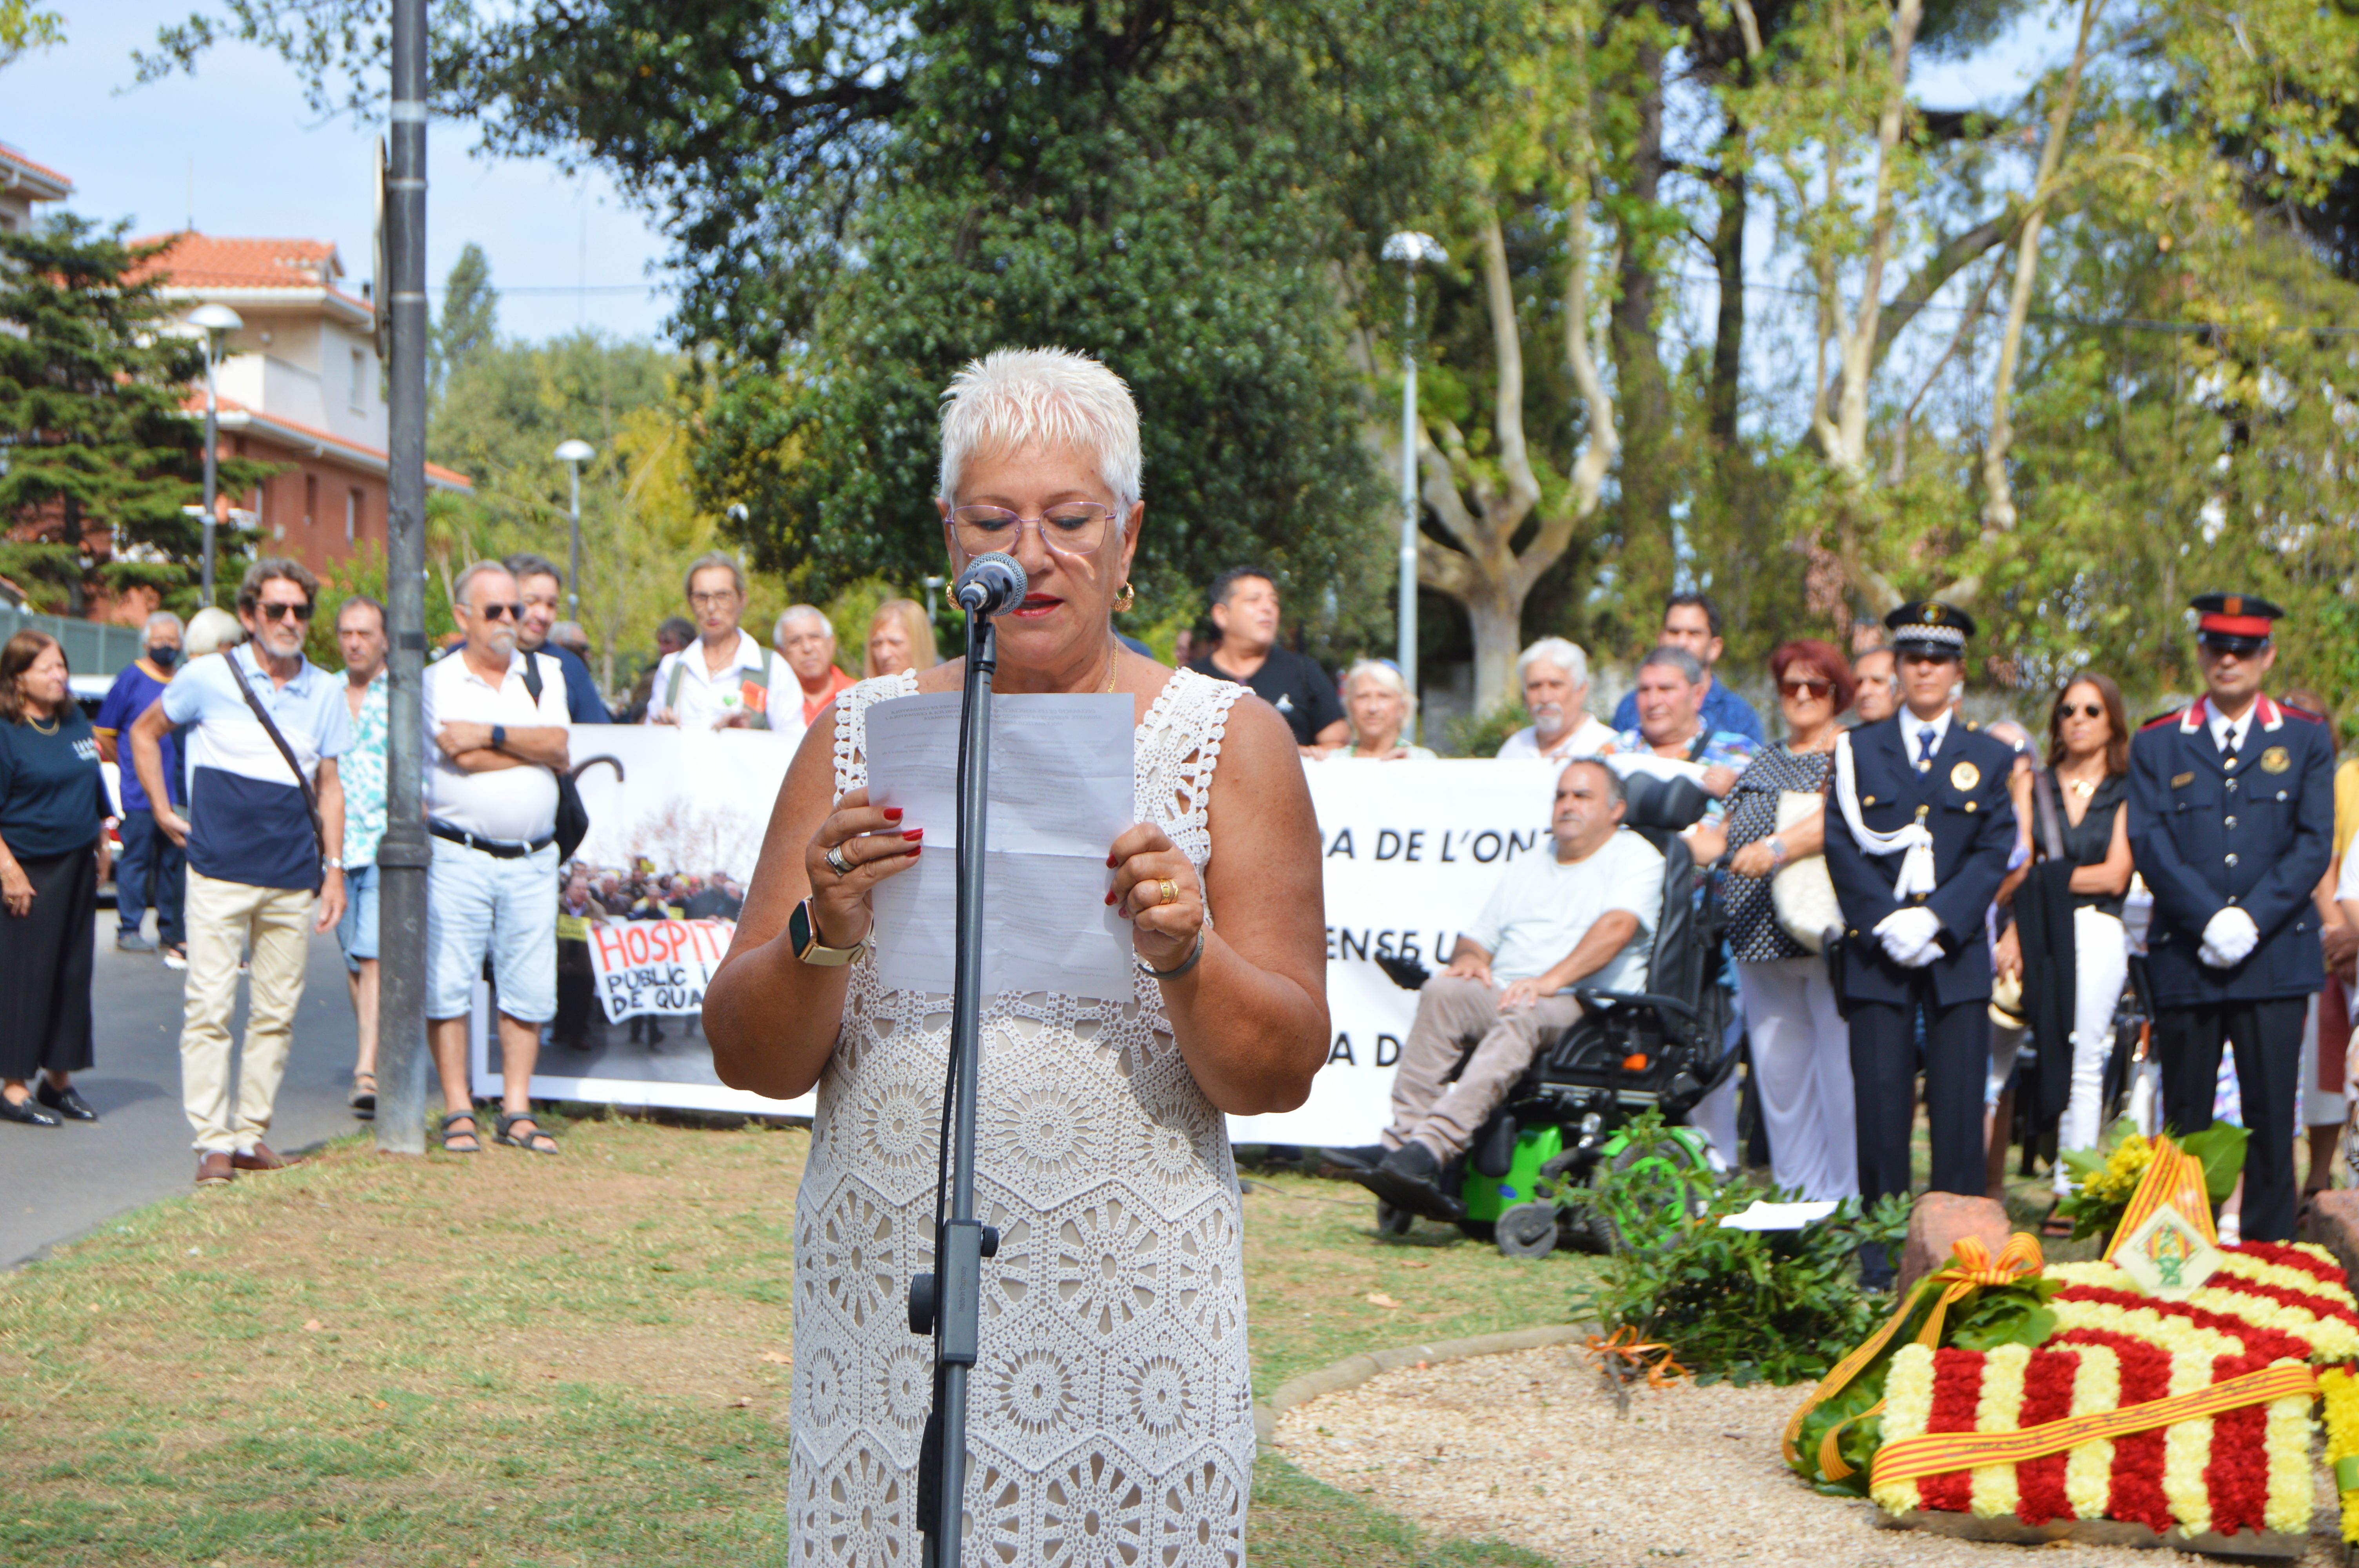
{"x":582,"y":703}
{"x":1723,"y":710}
{"x":139,"y":686}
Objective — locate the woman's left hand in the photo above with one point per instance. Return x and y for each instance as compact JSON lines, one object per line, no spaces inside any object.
{"x":1145,"y":866}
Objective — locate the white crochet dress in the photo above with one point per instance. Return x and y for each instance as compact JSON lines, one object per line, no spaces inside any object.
{"x":1111,"y":1411}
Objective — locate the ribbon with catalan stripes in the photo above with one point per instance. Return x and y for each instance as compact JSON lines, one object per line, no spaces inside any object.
{"x":1970,"y":1268}
{"x":1942,"y":1453}
{"x":2173,"y":1177}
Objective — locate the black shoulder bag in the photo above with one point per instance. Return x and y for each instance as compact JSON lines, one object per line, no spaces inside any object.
{"x":310,"y":795}
{"x":572,"y":816}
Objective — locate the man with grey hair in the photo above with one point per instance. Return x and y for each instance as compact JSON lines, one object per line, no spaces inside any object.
{"x":496,"y":716}
{"x":1670,"y":695}
{"x":1555,"y":676}
{"x":806,"y":640}
{"x":1586,"y":914}
{"x":153,"y":867}
{"x":723,"y":680}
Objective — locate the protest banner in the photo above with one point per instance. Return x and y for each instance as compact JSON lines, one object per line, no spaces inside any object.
{"x":1409,"y":850}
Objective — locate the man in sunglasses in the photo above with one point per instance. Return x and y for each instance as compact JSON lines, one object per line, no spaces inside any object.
{"x":1916,"y":845}
{"x":265,"y":836}
{"x":2232,"y":825}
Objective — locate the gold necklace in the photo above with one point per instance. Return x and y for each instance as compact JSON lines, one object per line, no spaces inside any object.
{"x":1113,"y":663}
{"x":41,"y":729}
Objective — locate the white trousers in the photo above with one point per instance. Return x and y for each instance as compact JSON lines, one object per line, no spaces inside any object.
{"x":1801,"y":1069}
{"x":2101,"y":963}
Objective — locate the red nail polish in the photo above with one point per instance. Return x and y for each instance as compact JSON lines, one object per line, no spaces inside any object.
{"x":1109,"y":898}
{"x":892,"y":813}
{"x":1111,"y":862}
{"x":914,"y":834}
{"x":914,"y":848}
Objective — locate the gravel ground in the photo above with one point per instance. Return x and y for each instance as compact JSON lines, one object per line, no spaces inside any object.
{"x":1527,"y":1447}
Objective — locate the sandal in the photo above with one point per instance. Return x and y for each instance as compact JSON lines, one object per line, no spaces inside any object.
{"x":531,"y":1141}
{"x":473,"y":1137}
{"x":363,"y":1099}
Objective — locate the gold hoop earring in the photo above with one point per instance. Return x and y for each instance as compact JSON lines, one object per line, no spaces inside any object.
{"x":1124,"y":600}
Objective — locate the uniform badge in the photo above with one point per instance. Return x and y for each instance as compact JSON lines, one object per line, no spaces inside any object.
{"x":1965,"y":776}
{"x":2180,"y":781}
{"x":2274,"y":759}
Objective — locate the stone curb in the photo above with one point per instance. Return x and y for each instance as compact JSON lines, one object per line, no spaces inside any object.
{"x":1354,"y":1370}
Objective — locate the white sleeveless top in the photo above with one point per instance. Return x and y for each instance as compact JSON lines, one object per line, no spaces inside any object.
{"x":1111,"y":1410}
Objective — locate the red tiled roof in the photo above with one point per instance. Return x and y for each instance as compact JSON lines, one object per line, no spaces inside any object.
{"x":10,"y":155}
{"x":191,"y":260}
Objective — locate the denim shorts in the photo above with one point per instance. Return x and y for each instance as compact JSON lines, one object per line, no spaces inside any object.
{"x":356,"y":932}
{"x":477,"y":905}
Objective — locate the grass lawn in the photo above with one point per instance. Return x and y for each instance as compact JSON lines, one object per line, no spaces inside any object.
{"x":500,"y":1360}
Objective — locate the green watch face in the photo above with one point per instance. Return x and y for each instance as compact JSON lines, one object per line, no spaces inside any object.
{"x":798,"y":930}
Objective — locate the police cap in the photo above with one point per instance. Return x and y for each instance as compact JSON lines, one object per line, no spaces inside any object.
{"x":1928,"y":628}
{"x":2235,"y":623}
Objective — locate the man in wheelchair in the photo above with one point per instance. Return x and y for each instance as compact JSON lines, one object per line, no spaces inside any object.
{"x":1586,"y":914}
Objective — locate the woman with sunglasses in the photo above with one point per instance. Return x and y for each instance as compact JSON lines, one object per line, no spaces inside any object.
{"x":1801,"y":1050}
{"x":2088,"y":784}
{"x":1112,"y":1383}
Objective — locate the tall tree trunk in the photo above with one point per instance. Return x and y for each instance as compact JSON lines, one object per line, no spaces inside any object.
{"x":1647,"y":470}
{"x":1722,"y":400}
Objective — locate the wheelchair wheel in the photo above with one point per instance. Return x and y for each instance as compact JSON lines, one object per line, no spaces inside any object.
{"x":1527,"y":1230}
{"x":1391,"y":1221}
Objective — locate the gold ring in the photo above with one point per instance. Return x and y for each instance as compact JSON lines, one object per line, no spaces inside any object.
{"x":1171,"y":891}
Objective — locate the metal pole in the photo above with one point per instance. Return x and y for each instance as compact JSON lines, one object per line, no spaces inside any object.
{"x":404,"y":855}
{"x":574,"y":566}
{"x":1408,"y":660}
{"x":212,"y":458}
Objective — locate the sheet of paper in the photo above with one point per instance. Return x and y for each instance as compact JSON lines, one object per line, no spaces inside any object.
{"x":1061,"y":793}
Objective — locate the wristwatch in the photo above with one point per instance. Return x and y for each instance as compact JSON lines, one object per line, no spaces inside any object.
{"x":333,"y":862}
{"x":803,"y":936}
{"x":499,"y":737}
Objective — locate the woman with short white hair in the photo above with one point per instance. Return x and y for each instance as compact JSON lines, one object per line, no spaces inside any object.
{"x":1110,"y":1406}
{"x":1378,"y":705}
{"x":1554,"y":675}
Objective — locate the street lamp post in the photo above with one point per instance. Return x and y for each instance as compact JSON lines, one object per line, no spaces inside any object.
{"x":215,"y":321}
{"x":1409,"y":247}
{"x":574,"y":454}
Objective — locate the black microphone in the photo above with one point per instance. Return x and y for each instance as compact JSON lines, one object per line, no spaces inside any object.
{"x":993,"y":584}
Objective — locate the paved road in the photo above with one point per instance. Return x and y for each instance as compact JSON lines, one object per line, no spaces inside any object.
{"x":63,"y":1181}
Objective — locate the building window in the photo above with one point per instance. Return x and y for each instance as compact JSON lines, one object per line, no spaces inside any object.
{"x":311,"y":499}
{"x":351,"y":514}
{"x":360,"y":381}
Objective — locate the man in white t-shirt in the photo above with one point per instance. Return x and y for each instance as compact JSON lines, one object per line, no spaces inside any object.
{"x":1555,"y":673}
{"x":1587,"y":913}
{"x":491,"y":806}
{"x":723,"y":680}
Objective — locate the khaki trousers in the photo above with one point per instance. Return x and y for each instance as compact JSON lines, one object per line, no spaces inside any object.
{"x":221,"y":917}
{"x":1451,"y":1015}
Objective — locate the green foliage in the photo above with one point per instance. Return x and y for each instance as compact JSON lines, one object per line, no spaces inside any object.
{"x":1482,"y":734}
{"x":22,"y":29}
{"x":1745,"y":1306}
{"x":363,"y":573}
{"x":471,"y":316}
{"x":93,"y":439}
{"x":2104,"y":1178}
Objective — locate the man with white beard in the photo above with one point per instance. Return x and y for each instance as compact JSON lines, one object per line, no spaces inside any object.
{"x":1555,"y":673}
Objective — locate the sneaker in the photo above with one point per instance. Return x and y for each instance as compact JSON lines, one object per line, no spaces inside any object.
{"x":133,"y":942}
{"x":176,"y":958}
{"x":1411,"y":1178}
{"x":1355,"y":1157}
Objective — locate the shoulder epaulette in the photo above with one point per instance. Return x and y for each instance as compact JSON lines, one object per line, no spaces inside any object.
{"x":1971,"y":725}
{"x":2162,"y":718}
{"x":2303,"y":714}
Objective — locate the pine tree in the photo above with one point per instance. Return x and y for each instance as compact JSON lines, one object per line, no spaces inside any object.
{"x":471,"y":315}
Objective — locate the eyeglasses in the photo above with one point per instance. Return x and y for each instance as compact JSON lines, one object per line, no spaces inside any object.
{"x":1073,"y":528}
{"x":712,"y":600}
{"x":499,"y":612}
{"x":2094,"y":710}
{"x":270,"y":612}
{"x":1803,"y":688}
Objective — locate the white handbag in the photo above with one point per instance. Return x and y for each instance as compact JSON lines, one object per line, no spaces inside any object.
{"x":1801,"y":892}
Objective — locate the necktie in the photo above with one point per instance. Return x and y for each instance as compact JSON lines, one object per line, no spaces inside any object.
{"x":1924,"y":748}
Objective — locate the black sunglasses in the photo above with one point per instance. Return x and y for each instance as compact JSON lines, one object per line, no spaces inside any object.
{"x":281,"y":611}
{"x":2094,"y":710}
{"x":499,"y":612}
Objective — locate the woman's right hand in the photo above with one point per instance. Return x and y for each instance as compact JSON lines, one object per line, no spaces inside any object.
{"x":16,"y":890}
{"x":872,"y":840}
{"x":2008,"y":954}
{"x":1755,"y":860}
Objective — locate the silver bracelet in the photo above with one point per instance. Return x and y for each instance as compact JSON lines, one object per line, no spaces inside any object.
{"x":1185,"y":964}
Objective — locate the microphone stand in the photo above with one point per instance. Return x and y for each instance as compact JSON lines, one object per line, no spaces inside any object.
{"x":947,"y":1303}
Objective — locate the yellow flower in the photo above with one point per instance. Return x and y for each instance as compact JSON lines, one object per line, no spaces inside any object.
{"x":1907,"y":1409}
{"x":1999,"y":1408}
{"x":2341,"y":1392}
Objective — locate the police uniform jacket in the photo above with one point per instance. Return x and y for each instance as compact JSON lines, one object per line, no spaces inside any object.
{"x":2257,"y":836}
{"x":1963,"y":801}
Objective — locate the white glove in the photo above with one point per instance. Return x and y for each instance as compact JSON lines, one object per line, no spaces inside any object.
{"x":2229,"y":938}
{"x":1912,"y":935}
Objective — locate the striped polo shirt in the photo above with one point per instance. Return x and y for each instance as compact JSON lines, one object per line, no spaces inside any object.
{"x":247,"y":822}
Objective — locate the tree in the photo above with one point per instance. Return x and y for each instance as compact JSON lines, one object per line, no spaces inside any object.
{"x":24,"y":29}
{"x":95,"y":441}
{"x":471,"y":315}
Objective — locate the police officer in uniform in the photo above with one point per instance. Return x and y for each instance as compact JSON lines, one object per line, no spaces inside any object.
{"x":1917,"y":846}
{"x":2231,"y":822}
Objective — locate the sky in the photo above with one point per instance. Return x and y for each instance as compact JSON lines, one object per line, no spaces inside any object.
{"x":235,"y":148}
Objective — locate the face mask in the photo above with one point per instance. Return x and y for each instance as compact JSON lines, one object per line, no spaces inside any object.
{"x":163,"y":658}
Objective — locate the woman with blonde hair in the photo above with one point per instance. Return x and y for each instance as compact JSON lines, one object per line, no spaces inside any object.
{"x":900,"y":637}
{"x":1111,"y":1413}
{"x":1378,"y":705}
